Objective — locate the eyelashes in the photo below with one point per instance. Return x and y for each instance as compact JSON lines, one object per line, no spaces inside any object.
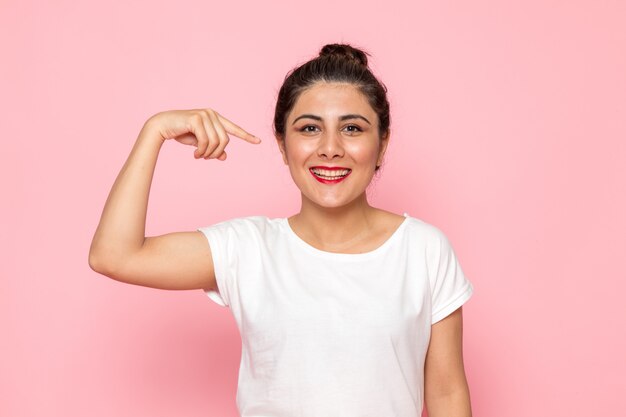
{"x":308,"y":129}
{"x":351,"y":129}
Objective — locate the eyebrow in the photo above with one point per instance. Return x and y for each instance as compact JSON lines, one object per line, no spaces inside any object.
{"x":342,"y":118}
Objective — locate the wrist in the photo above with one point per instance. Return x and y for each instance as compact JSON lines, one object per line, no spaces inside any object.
{"x":150,"y":134}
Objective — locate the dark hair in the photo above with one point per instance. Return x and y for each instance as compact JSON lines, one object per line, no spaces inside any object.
{"x":338,"y":63}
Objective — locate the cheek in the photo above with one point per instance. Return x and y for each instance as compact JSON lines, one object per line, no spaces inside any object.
{"x":364,"y":153}
{"x":299,"y":151}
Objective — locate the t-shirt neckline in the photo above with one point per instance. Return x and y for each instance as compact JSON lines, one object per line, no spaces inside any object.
{"x":346,"y":256}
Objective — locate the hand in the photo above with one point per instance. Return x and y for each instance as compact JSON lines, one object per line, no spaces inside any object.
{"x":205,"y":129}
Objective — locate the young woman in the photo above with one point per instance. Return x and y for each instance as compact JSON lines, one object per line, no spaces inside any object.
{"x":344,"y":309}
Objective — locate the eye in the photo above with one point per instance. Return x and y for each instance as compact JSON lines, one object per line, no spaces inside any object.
{"x":352,"y":129}
{"x":309,"y":129}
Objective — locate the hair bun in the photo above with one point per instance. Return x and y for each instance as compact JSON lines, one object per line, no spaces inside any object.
{"x":344,"y":51}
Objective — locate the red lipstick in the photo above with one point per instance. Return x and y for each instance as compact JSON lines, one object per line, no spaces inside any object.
{"x":330,"y":175}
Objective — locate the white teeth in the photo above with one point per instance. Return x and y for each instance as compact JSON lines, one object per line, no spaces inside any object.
{"x":330,"y":174}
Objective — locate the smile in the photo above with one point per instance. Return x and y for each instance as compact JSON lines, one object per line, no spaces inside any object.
{"x":329,"y":175}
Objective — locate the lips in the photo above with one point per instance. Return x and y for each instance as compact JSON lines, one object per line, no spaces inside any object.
{"x":329,"y":175}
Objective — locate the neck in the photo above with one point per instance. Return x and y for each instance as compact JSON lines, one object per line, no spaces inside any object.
{"x":336,"y":226}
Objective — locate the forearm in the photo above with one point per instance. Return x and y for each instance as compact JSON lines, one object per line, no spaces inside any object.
{"x":452,"y":404}
{"x":122,"y":225}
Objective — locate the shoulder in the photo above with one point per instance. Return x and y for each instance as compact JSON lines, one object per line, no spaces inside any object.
{"x":422,"y":230}
{"x":244,"y":236}
{"x":246,"y":225}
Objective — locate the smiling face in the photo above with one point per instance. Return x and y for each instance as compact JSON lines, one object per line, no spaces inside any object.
{"x":332,"y":144}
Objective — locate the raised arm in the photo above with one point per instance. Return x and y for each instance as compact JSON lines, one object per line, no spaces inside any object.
{"x":120,"y":249}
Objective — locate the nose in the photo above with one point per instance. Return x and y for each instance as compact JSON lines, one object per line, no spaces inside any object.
{"x":330,"y":146}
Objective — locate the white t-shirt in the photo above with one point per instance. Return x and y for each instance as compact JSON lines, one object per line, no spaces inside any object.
{"x":329,"y":334}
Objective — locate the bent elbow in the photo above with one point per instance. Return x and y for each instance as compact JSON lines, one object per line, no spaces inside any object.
{"x":96,"y":263}
{"x":101,"y":264}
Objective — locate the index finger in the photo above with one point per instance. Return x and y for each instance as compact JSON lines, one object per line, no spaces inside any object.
{"x":233,"y":129}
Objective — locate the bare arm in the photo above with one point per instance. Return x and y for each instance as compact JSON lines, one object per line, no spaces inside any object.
{"x":120,"y":249}
{"x":446,"y":391}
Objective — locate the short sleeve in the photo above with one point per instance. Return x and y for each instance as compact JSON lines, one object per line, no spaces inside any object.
{"x":449,"y":287}
{"x":218,"y":238}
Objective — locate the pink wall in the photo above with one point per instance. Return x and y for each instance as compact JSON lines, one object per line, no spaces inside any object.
{"x":508,"y":134}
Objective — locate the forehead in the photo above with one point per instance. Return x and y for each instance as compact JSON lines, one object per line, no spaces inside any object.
{"x":332,"y":99}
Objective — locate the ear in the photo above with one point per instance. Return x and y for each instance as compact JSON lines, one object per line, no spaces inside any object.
{"x":384,"y":141}
{"x":281,"y":146}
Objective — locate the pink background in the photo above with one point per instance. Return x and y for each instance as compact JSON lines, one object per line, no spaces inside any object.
{"x":509,"y":124}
